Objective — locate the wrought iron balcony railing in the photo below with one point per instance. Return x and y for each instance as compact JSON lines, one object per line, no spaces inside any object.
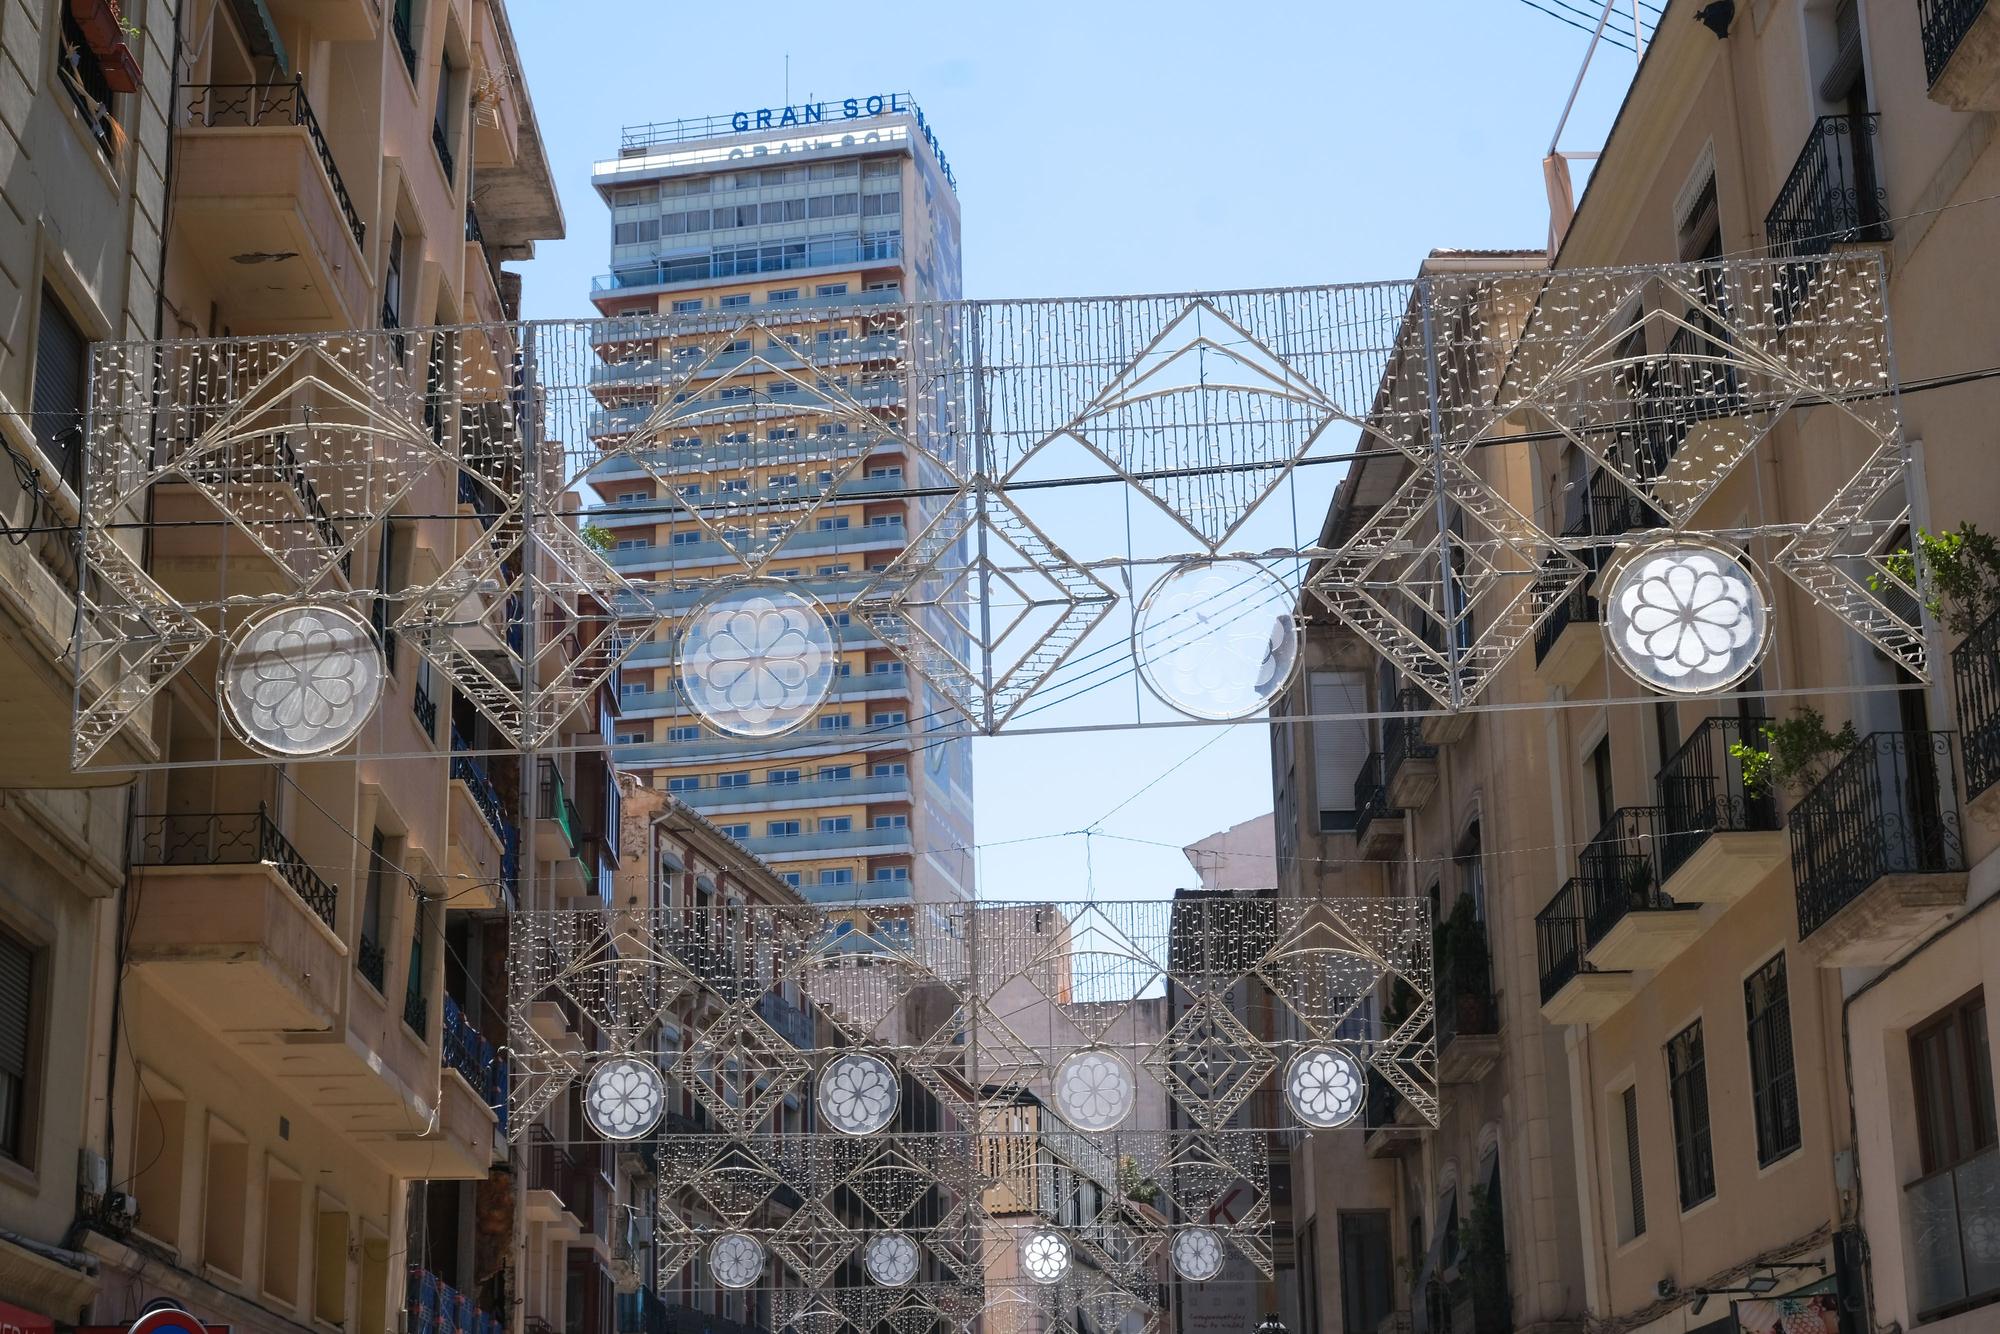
{"x":792,"y":1021}
{"x":399,"y":20}
{"x":242,"y":839}
{"x":1403,"y":738}
{"x":435,"y":1307}
{"x":1834,"y":194}
{"x":1618,"y":871}
{"x":1371,"y":794}
{"x":1944,"y":24}
{"x":1702,"y":791}
{"x":441,"y":141}
{"x":467,"y":1051}
{"x":1579,"y":608}
{"x":484,"y":794}
{"x":1975,"y":678}
{"x":1464,"y":994}
{"x":553,"y":1168}
{"x":1607,"y":508}
{"x":1890,"y":807}
{"x":1951,"y":1216}
{"x":254,"y":105}
{"x":1559,"y":940}
{"x":373,"y":961}
{"x":552,"y":803}
{"x":425,"y":708}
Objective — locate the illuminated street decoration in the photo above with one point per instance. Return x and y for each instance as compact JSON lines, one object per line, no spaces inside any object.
{"x":301,"y":681}
{"x":272,"y":467}
{"x":1686,"y":618}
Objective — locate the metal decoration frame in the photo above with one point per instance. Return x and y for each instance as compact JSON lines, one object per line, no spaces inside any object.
{"x":271,"y":464}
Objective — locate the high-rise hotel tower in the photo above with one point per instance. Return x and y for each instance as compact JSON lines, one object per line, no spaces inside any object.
{"x":756,"y":357}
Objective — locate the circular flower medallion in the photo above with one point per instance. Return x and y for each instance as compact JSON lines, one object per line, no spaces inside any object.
{"x":1686,"y":618}
{"x":891,"y":1259}
{"x":1197,"y":1254}
{"x":302,"y":680}
{"x":858,"y":1093}
{"x":1045,"y":1255}
{"x":758,"y":658}
{"x":1216,"y":638}
{"x":624,"y":1098}
{"x":1094,"y":1089}
{"x":1323,"y":1087}
{"x":735,"y":1259}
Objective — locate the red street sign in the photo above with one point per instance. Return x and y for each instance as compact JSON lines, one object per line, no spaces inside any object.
{"x":16,"y":1320}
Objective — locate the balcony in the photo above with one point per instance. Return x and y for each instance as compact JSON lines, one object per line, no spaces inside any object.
{"x":1952,"y":1218}
{"x":1573,"y":992}
{"x":435,"y":1307}
{"x":485,"y":845}
{"x":1468,"y":1017}
{"x":1877,"y":851}
{"x":1718,"y":840}
{"x":717,"y":801}
{"x":783,"y":399}
{"x":475,"y":1060}
{"x":1961,"y":53}
{"x":813,"y":845}
{"x":1629,"y":923}
{"x":1378,"y":826}
{"x":1834,"y":195}
{"x":1569,"y":643}
{"x":1389,"y":1136}
{"x":1975,"y":679}
{"x":559,"y":1186}
{"x":788,"y":1018}
{"x":280,"y":241}
{"x":1409,"y":762}
{"x":771,"y":259}
{"x":231,"y":922}
{"x":655,"y":371}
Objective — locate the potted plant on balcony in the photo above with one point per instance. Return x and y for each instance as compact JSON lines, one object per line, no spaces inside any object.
{"x":1796,"y":753}
{"x":108,"y":35}
{"x":1964,"y":570}
{"x":1458,"y":946}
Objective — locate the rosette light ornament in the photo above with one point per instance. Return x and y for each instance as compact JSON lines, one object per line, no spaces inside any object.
{"x":1323,"y":1086}
{"x":1045,"y":1256}
{"x":758,"y":659}
{"x":1686,"y":618}
{"x":624,"y":1098}
{"x":858,"y":1093}
{"x":735,"y":1259}
{"x":302,"y":680}
{"x":1094,"y":1089}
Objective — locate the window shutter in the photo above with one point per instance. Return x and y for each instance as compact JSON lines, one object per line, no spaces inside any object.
{"x":17,"y":977}
{"x":1635,"y":1179}
{"x":60,"y":353}
{"x":1340,"y":746}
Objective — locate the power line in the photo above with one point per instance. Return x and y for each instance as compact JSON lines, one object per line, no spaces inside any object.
{"x":1606,"y":37}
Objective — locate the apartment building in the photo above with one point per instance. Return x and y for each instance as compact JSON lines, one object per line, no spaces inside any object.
{"x":306,"y":1097}
{"x":1470,"y":1226}
{"x":85,"y":163}
{"x":757,"y":371}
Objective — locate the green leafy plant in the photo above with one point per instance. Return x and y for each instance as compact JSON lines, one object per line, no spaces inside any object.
{"x":1796,"y":753}
{"x":597,"y":535}
{"x":1964,"y":570}
{"x":1458,"y":947}
{"x":1133,"y":1185}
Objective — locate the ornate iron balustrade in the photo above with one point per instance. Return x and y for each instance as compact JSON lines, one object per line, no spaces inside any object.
{"x":1975,"y":679}
{"x":373,"y":961}
{"x":416,"y":1011}
{"x":1944,"y":24}
{"x":1559,"y":940}
{"x":1695,"y":381}
{"x":484,"y":794}
{"x":238,"y":839}
{"x":467,"y":1051}
{"x":441,"y":141}
{"x":1403,"y":738}
{"x":1607,"y":508}
{"x":1381,"y":1100}
{"x":1579,"y":608}
{"x":1834,"y":194}
{"x":1702,"y":792}
{"x":251,"y":105}
{"x":1371,"y":794}
{"x":425,"y":708}
{"x":553,"y":1168}
{"x":1465,"y":1002}
{"x":1890,"y":807}
{"x":399,"y":21}
{"x":1618,"y":871}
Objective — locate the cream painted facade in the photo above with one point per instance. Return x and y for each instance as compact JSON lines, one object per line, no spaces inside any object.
{"x":270,"y":998}
{"x":1449,"y":809}
{"x":82,"y":172}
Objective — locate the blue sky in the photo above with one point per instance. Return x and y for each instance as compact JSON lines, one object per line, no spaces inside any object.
{"x":1106,"y":148}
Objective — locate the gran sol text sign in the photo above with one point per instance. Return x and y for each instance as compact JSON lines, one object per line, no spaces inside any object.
{"x":850,"y":108}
